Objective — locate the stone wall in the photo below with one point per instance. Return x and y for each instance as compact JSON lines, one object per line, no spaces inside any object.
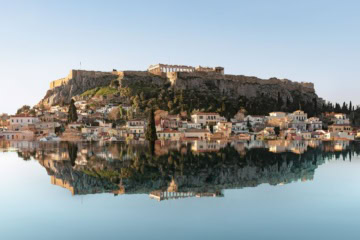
{"x":76,"y":74}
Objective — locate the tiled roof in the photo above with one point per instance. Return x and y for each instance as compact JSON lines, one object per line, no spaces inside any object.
{"x":205,"y":113}
{"x":196,"y":130}
{"x":167,"y":130}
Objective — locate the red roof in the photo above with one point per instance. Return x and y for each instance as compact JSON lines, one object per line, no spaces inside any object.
{"x":205,"y":113}
{"x":22,"y":116}
{"x":167,"y":130}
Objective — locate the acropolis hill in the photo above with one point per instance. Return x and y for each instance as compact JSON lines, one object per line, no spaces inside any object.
{"x":205,"y":79}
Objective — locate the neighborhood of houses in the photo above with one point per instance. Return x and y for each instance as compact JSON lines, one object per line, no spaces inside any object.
{"x":51,"y":125}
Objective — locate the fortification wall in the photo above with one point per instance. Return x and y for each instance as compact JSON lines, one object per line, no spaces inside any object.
{"x":76,"y":74}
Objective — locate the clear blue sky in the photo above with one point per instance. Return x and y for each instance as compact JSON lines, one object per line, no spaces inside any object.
{"x":317,"y":41}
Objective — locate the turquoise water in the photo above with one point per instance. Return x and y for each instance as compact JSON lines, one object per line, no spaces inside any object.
{"x":313,"y":195}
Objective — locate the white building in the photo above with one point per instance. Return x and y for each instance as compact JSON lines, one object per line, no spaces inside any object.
{"x":255,"y":120}
{"x":197,"y":133}
{"x":240,"y":127}
{"x":136,"y":126}
{"x":204,"y":118}
{"x":298,"y":115}
{"x":341,"y":118}
{"x":277,"y":114}
{"x":297,"y":120}
{"x":23,"y":120}
{"x":313,"y":124}
{"x":193,"y":125}
{"x":169,"y":134}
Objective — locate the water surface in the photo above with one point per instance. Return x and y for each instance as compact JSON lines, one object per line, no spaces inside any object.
{"x":247,"y":190}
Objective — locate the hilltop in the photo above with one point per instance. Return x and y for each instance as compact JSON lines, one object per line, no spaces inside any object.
{"x":182,"y":88}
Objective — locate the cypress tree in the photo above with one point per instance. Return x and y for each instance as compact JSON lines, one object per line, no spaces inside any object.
{"x":72,"y":114}
{"x":315,"y":107}
{"x":150,"y":133}
{"x":279,"y":102}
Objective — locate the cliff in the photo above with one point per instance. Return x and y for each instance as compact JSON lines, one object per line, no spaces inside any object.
{"x":230,"y":86}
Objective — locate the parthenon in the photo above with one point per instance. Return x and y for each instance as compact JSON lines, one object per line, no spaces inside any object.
{"x":166,"y":68}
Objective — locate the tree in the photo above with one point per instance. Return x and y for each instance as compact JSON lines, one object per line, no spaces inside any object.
{"x":114,"y":83}
{"x":248,"y":124}
{"x":344,"y":108}
{"x":170,"y":105}
{"x":277,"y":130}
{"x":315,"y":107}
{"x":23,"y":109}
{"x":72,"y":114}
{"x":150,"y":133}
{"x":279,"y":102}
{"x":121,"y":112}
{"x":72,"y":150}
{"x":114,"y":114}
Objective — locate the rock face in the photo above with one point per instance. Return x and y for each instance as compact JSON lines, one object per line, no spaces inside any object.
{"x":250,"y":87}
{"x":75,"y":86}
{"x":232,"y":86}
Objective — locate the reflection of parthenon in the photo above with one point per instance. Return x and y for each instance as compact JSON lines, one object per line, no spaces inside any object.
{"x":166,"y":195}
{"x":165,"y":68}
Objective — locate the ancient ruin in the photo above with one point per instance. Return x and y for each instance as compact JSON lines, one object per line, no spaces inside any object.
{"x":166,"y":68}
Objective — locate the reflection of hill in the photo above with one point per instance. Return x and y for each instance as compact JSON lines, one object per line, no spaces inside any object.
{"x":77,"y":182}
{"x":176,"y":169}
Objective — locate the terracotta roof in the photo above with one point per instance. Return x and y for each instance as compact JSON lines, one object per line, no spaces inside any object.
{"x":196,"y":130}
{"x":205,"y":113}
{"x":22,"y":116}
{"x":167,"y":130}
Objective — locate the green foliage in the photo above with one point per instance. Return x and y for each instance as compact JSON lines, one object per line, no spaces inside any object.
{"x":104,"y":91}
{"x":90,"y":93}
{"x":100,"y":91}
{"x":114,"y":83}
{"x":277,"y":130}
{"x":150,"y":133}
{"x":23,"y":109}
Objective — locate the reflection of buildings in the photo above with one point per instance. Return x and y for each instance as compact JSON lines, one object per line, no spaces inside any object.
{"x":341,"y":145}
{"x":207,"y":146}
{"x":298,"y":147}
{"x":120,"y":168}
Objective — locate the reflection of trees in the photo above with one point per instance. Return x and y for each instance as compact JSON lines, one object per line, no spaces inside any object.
{"x":138,"y":168}
{"x":73,"y":150}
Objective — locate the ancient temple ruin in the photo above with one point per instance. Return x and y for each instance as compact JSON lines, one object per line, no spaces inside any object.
{"x":166,"y":68}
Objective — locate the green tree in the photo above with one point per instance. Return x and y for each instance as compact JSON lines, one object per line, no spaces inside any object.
{"x":72,"y":150}
{"x":277,"y":130}
{"x":170,"y":105}
{"x":114,"y":83}
{"x":248,"y":124}
{"x":121,"y":112}
{"x":72,"y":114}
{"x":23,"y":109}
{"x":279,"y":102}
{"x":150,"y":133}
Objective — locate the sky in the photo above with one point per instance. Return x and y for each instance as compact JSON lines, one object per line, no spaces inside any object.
{"x":304,"y":41}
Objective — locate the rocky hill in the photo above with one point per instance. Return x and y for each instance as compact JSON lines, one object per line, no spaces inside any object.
{"x":233,"y":88}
